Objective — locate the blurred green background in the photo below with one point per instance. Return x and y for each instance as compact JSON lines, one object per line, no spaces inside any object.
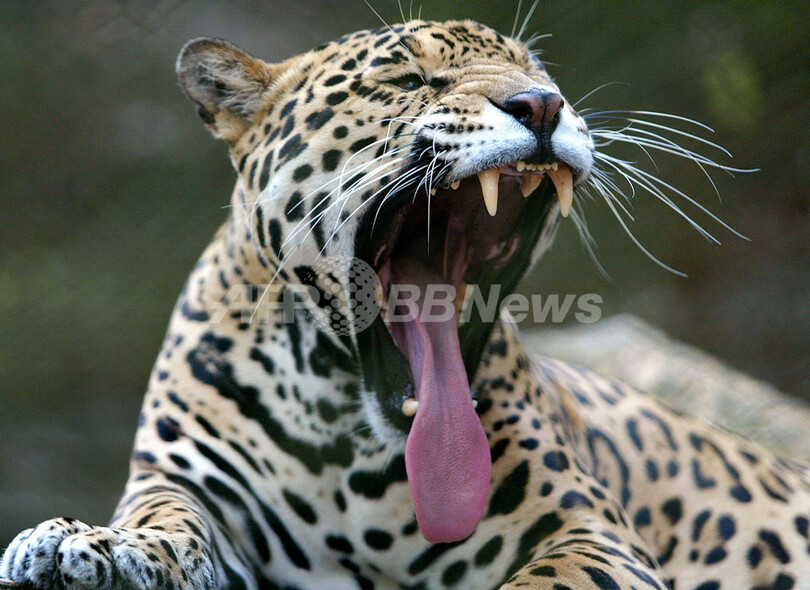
{"x":111,"y":187}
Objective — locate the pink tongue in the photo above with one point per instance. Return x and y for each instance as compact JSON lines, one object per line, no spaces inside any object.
{"x":447,"y":456}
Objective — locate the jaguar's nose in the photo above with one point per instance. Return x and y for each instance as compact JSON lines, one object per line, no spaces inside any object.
{"x":537,"y":109}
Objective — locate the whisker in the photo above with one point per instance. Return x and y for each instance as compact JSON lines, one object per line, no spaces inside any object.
{"x":401,"y":12}
{"x":651,"y":139}
{"x":639,"y":245}
{"x":307,"y":217}
{"x":595,"y":90}
{"x":350,"y":216}
{"x":369,"y":179}
{"x":662,"y":144}
{"x":605,"y":192}
{"x":269,"y":197}
{"x":627,"y":138}
{"x":534,"y":39}
{"x":394,"y":189}
{"x":353,"y":189}
{"x":397,"y":182}
{"x":433,"y":178}
{"x":632,"y":176}
{"x":654,"y":179}
{"x":517,"y":16}
{"x":383,"y":141}
{"x":605,"y":178}
{"x":411,"y":99}
{"x":648,"y":181}
{"x":527,"y":19}
{"x":337,"y":179}
{"x":681,"y":133}
{"x":377,"y":14}
{"x":585,"y":237}
{"x":622,"y":113}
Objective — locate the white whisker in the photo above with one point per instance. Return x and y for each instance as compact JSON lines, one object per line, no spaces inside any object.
{"x":633,"y":175}
{"x":401,"y":12}
{"x":307,"y":218}
{"x":316,"y":217}
{"x":527,"y":19}
{"x":656,"y":180}
{"x":352,"y":214}
{"x":517,"y":16}
{"x":604,"y":191}
{"x":665,"y":145}
{"x":394,"y":189}
{"x":534,"y":39}
{"x":383,"y":141}
{"x":595,"y":90}
{"x":681,"y":133}
{"x":621,"y":114}
{"x":638,"y":244}
{"x":585,"y":237}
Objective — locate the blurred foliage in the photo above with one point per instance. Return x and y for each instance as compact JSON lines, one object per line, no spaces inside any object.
{"x":732,"y":90}
{"x":111,"y":187}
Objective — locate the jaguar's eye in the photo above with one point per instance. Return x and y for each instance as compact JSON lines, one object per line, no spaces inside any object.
{"x":408,"y":82}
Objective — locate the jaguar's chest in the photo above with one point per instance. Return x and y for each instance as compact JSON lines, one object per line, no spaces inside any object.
{"x":350,"y":509}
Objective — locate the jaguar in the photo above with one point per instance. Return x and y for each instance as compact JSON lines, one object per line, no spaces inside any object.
{"x":280,"y":446}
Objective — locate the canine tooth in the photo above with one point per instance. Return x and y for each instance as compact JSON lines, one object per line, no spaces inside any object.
{"x":554,"y":165}
{"x":455,"y":185}
{"x":529,"y":182}
{"x":521,"y":166}
{"x":475,"y":403}
{"x":433,"y":191}
{"x":409,"y":407}
{"x":564,"y":183}
{"x":489,"y":187}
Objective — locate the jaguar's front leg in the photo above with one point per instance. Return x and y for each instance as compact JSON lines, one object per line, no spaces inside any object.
{"x":585,"y":560}
{"x":162,"y":538}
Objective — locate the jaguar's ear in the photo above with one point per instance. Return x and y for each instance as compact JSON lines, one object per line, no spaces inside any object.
{"x":228,"y":85}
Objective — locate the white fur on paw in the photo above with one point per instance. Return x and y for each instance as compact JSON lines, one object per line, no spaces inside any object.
{"x":62,"y":554}
{"x":199,"y":568}
{"x":82,"y":566}
{"x":7,"y":561}
{"x":31,"y":557}
{"x":135,"y":567}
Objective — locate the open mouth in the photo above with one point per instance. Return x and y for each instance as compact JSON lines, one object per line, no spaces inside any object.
{"x":480,"y":232}
{"x":467,"y":225}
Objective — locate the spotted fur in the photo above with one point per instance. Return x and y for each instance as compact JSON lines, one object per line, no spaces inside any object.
{"x":262,"y":460}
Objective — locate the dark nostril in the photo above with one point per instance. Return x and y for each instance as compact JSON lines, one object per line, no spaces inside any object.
{"x":520,"y":110}
{"x":536,"y":109}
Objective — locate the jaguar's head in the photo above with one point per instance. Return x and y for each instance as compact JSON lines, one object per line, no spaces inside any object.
{"x":441,"y":154}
